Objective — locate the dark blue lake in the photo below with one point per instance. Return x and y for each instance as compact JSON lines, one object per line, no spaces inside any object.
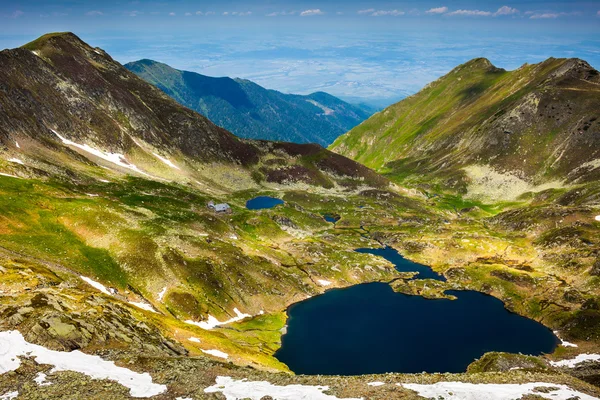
{"x":369,"y":328}
{"x":331,"y":218}
{"x":260,"y":202}
{"x":402,"y":264}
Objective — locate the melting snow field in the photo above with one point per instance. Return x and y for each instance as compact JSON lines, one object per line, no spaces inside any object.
{"x":143,"y":306}
{"x":16,"y":160}
{"x":216,"y":353}
{"x":212,"y":322}
{"x":564,"y":343}
{"x":573,"y":362}
{"x":115,"y":158}
{"x":166,"y":161}
{"x":323,"y":282}
{"x":96,"y":285}
{"x":13,"y":345}
{"x":490,"y":391}
{"x":234,"y":389}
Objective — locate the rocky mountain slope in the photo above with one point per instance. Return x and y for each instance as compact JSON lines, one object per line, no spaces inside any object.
{"x":107,"y":247}
{"x":490,"y":132}
{"x":251,"y":111}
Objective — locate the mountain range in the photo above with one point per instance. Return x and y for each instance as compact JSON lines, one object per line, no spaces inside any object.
{"x":251,"y":111}
{"x":108,"y":245}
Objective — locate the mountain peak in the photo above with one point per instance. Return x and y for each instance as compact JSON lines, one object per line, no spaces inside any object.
{"x":54,"y":39}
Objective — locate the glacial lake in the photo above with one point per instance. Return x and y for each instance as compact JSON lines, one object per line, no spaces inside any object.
{"x":261,"y":202}
{"x":368,"y":328}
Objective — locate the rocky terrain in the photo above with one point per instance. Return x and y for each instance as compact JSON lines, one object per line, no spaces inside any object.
{"x":109,"y":253}
{"x":251,"y":111}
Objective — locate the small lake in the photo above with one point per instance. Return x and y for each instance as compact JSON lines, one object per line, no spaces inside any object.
{"x":369,"y":328}
{"x":331,"y":218}
{"x":261,"y":202}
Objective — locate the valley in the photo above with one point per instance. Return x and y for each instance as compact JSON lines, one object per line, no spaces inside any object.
{"x":108,"y":245}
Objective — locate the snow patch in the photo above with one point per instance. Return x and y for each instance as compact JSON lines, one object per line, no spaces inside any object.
{"x":326,"y":110}
{"x":143,"y":306}
{"x":376,"y":384}
{"x":96,"y":285}
{"x":161,"y":294}
{"x":212,"y":322}
{"x":40,"y":379}
{"x":564,"y":343}
{"x":194,"y":339}
{"x":115,"y":158}
{"x":323,"y":282}
{"x":573,"y":362}
{"x":597,"y":218}
{"x":216,"y":353}
{"x":91,"y":194}
{"x":166,"y":161}
{"x":234,"y":389}
{"x":16,"y":160}
{"x":13,"y":345}
{"x":9,"y":395}
{"x":9,"y":175}
{"x":17,"y":143}
{"x":492,"y":391}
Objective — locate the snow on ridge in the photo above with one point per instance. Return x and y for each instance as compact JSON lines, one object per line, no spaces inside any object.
{"x":573,"y":362}
{"x":323,"y":282}
{"x":166,"y":161}
{"x":212,"y":322}
{"x":13,"y":345}
{"x":16,"y":160}
{"x":161,"y":294}
{"x":234,"y":389}
{"x":216,"y":353}
{"x":493,"y":391}
{"x":115,"y":158}
{"x":96,"y":285}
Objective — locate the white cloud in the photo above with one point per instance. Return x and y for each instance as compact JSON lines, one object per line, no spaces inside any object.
{"x":552,"y":15}
{"x":314,"y":11}
{"x":226,"y":13}
{"x":199,"y":13}
{"x":94,"y":13}
{"x":242,"y":13}
{"x":17,"y":14}
{"x":506,"y":10}
{"x":134,"y":13}
{"x":367,"y":11}
{"x":209,"y":13}
{"x":382,"y":13}
{"x":598,"y":13}
{"x":281,"y":13}
{"x":188,"y":14}
{"x":470,"y":13}
{"x":172,"y":14}
{"x":437,"y":10}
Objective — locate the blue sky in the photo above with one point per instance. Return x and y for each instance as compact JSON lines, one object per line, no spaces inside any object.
{"x":376,"y":51}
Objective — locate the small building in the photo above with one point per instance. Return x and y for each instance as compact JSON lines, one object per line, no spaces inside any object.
{"x":220,"y":208}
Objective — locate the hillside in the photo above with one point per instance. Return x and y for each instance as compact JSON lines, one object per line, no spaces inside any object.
{"x":489,"y":132}
{"x":251,"y":111}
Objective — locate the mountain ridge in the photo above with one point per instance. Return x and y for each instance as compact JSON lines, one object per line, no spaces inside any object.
{"x":252,"y":111}
{"x":509,"y":121}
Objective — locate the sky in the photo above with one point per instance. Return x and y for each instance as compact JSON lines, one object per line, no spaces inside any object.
{"x":363,"y":51}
